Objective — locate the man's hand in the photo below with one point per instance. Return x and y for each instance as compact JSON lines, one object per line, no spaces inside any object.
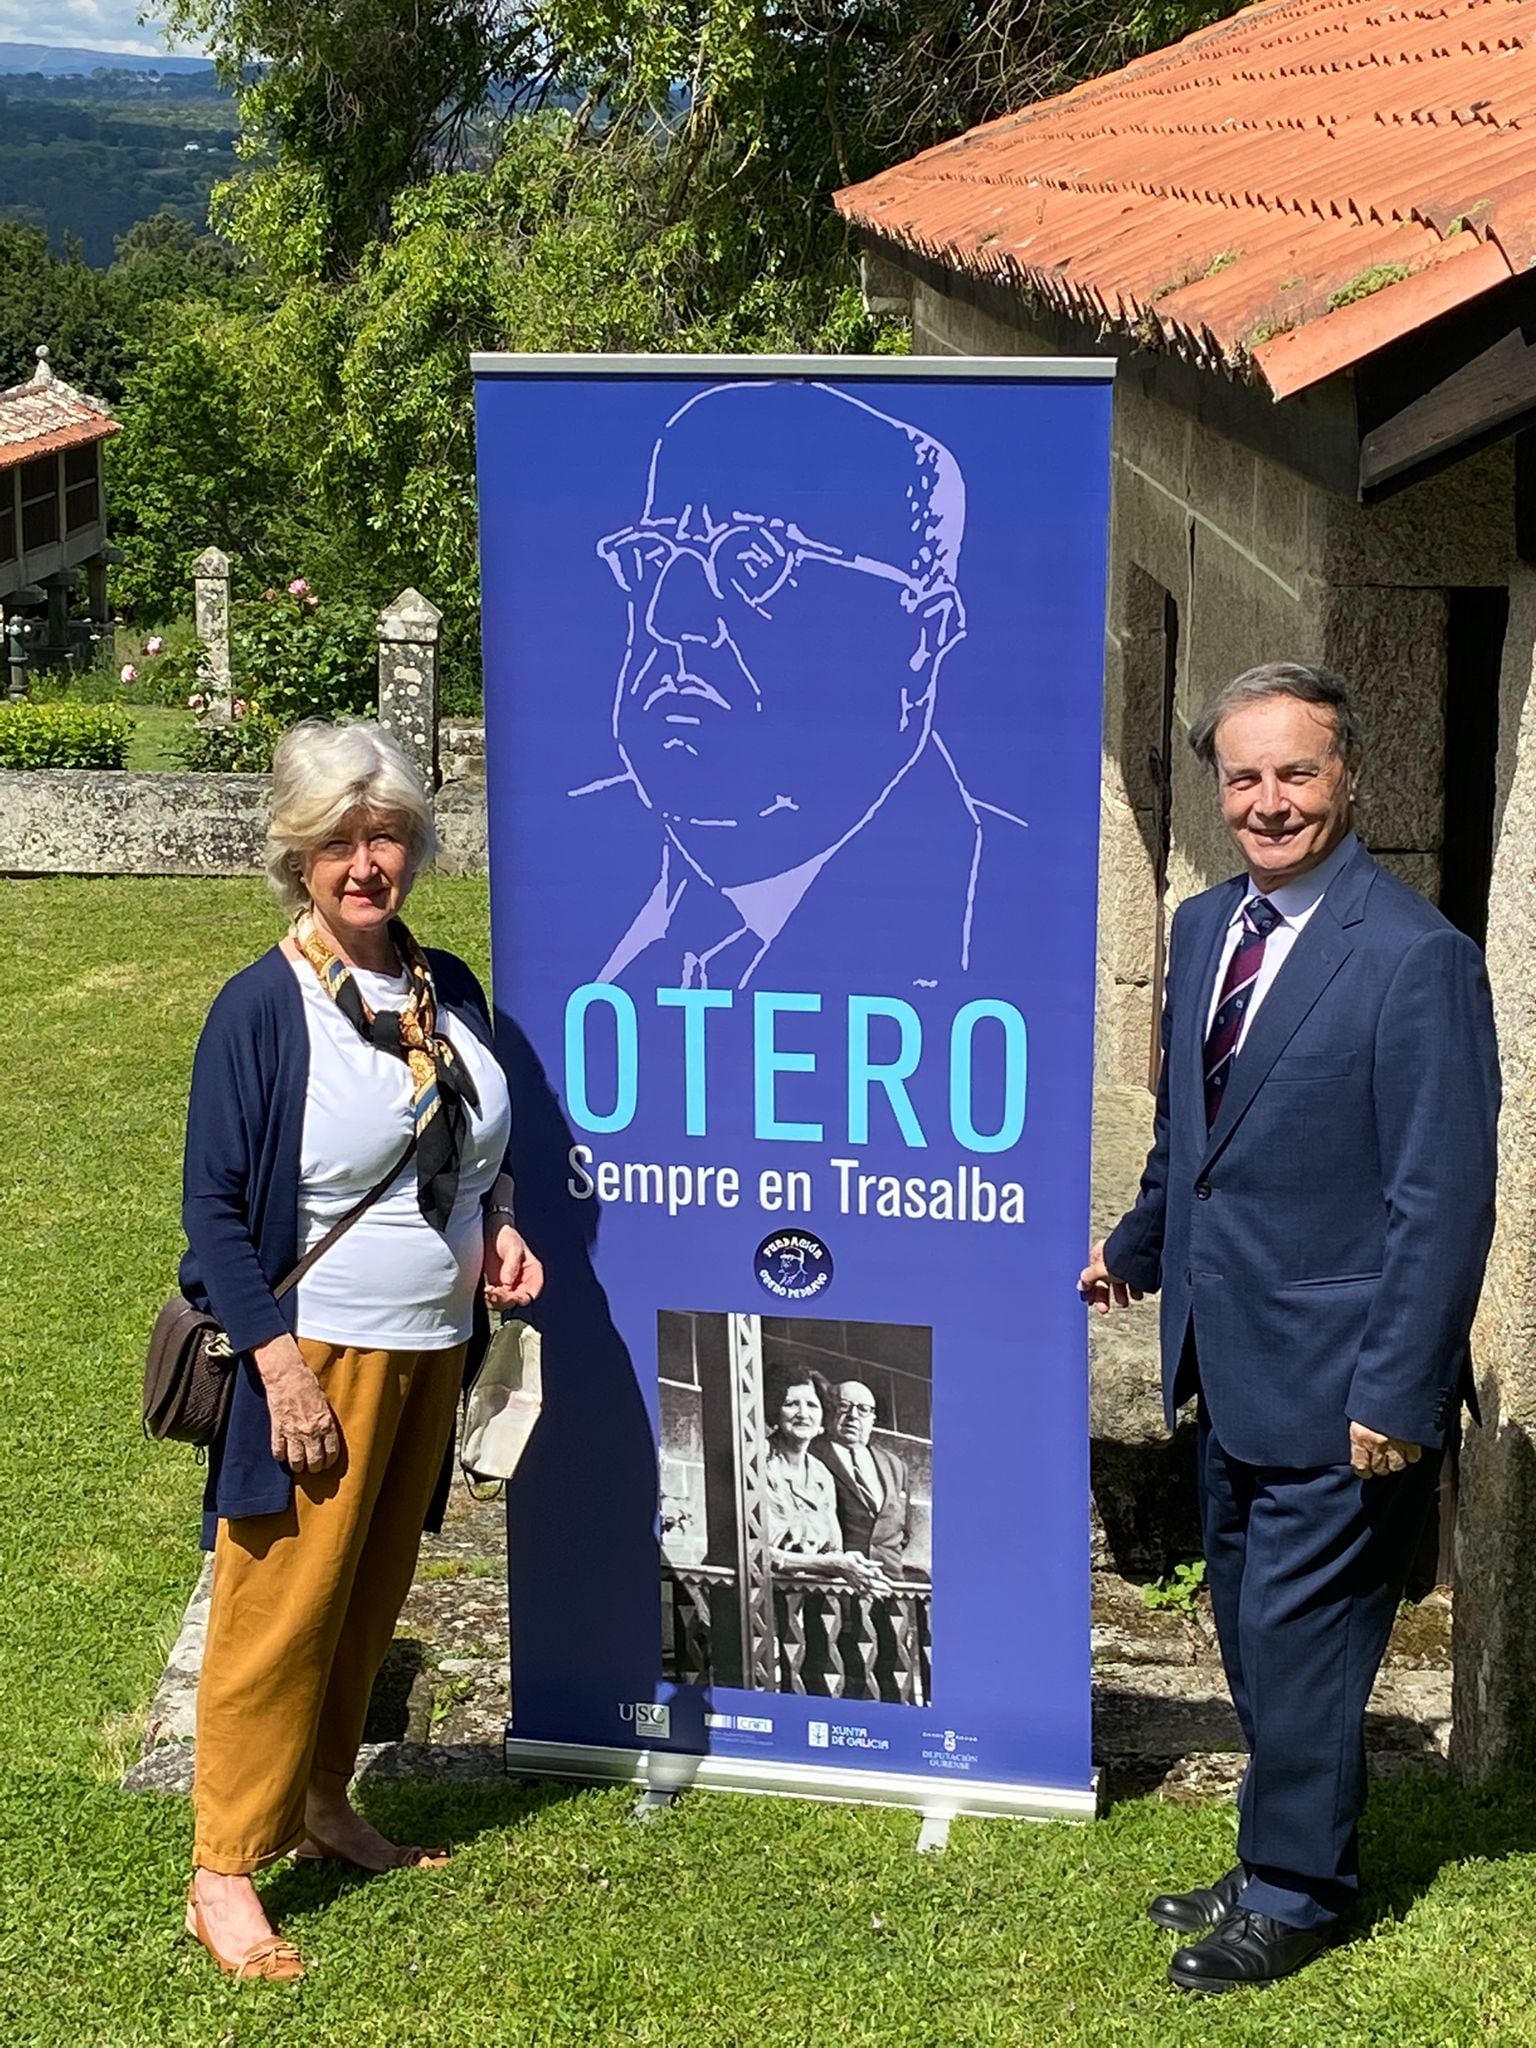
{"x":1375,"y":1456}
{"x":867,"y":1576}
{"x":1102,"y":1289}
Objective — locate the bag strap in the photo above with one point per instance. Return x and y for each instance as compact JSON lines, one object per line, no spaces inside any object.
{"x":344,"y":1224}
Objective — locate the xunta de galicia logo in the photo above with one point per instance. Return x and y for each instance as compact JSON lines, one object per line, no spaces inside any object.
{"x":792,"y":1265}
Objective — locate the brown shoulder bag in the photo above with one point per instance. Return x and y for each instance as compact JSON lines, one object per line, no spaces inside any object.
{"x":189,"y":1373}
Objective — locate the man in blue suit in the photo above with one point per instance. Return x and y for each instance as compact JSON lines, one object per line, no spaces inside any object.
{"x":1316,"y":1210}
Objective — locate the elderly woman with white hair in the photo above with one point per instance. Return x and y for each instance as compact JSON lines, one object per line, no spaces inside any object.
{"x":345,"y":1048}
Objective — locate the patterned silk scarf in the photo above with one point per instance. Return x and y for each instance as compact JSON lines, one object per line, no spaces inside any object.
{"x":442,"y":1089}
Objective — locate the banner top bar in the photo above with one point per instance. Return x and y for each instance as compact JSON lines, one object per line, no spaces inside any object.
{"x":1026,"y":369}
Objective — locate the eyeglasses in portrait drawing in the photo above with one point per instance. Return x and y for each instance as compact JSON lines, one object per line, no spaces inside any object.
{"x":792,"y":593}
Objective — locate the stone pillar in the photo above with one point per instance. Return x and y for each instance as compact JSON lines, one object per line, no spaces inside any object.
{"x":15,"y":636}
{"x":96,"y":589}
{"x":13,"y":640}
{"x":210,"y":588}
{"x":408,"y":631}
{"x":1495,"y":1627}
{"x":58,"y":587}
{"x":887,"y":287}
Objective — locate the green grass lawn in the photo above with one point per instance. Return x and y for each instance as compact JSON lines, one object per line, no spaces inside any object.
{"x":155,"y":727}
{"x":729,"y":1923}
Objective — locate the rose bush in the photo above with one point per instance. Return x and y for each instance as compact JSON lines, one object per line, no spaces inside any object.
{"x":239,"y":746}
{"x":292,"y":655}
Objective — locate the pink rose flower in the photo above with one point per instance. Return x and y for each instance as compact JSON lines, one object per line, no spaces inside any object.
{"x":154,"y":644}
{"x":298,"y":587}
{"x":127,"y":673}
{"x":197,"y":701}
{"x":238,"y":707}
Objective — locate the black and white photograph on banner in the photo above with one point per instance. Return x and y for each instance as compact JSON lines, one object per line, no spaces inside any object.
{"x":796,"y":1478}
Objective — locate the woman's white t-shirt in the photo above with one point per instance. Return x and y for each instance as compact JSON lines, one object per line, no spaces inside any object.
{"x":392,"y":1283}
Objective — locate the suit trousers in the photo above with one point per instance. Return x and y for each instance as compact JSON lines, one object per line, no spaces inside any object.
{"x":305,"y":1604}
{"x":1306,"y":1569}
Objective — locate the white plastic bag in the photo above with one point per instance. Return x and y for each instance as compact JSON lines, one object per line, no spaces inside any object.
{"x":503,"y":1403}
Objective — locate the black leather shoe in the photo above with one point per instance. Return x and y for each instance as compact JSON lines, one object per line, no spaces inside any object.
{"x":1247,"y":1948}
{"x":1193,"y":1912}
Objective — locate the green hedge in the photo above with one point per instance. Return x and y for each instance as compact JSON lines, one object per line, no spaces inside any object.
{"x":63,"y":735}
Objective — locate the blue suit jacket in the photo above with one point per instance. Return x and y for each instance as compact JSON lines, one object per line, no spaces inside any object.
{"x":1324,"y":1241}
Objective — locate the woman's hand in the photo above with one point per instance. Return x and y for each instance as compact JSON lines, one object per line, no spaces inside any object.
{"x":305,"y":1433}
{"x":513,"y":1276}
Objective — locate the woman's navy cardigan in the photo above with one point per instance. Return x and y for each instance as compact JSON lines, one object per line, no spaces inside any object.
{"x":240,"y":1200}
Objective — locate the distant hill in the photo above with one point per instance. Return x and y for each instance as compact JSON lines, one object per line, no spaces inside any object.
{"x":88,"y":157}
{"x":55,"y":62}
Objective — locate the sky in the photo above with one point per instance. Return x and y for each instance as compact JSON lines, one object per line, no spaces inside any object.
{"x":90,"y":24}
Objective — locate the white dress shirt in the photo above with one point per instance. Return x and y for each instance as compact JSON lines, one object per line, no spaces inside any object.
{"x":858,"y":1461}
{"x":1295,"y":901}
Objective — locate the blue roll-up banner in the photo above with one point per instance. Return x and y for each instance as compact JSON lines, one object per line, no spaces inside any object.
{"x":793,"y":676}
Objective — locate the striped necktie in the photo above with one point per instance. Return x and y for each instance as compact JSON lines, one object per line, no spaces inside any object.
{"x":1237,"y":991}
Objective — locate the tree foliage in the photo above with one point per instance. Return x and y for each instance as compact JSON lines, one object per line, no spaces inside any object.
{"x":200,"y":459}
{"x":57,"y":301}
{"x":422,"y":178}
{"x":347,"y":105}
{"x":97,"y":324}
{"x":91,"y":160}
{"x":752,"y":110}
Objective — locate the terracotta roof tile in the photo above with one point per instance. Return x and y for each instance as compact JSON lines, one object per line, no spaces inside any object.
{"x":45,"y":414}
{"x":1287,"y":191}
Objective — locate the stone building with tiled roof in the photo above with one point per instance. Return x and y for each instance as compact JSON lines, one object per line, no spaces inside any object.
{"x":1308,"y":234}
{"x":52,"y":507}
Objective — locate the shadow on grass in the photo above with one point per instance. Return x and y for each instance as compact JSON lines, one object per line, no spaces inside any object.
{"x":389,"y":1705}
{"x":1414,"y":1830}
{"x":432,"y":1813}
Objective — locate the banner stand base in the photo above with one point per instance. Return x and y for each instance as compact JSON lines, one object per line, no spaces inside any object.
{"x":663,"y":1774}
{"x":651,"y":1805}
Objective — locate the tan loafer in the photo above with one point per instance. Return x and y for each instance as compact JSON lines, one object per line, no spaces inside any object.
{"x":313,"y":1850}
{"x":272,"y":1961}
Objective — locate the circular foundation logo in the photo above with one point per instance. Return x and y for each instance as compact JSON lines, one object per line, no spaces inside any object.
{"x":792,"y":1265}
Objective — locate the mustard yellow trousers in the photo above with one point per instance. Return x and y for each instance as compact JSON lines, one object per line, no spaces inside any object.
{"x":305,"y":1604}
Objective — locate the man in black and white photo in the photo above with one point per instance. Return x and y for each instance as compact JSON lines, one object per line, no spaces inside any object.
{"x":874,"y":1504}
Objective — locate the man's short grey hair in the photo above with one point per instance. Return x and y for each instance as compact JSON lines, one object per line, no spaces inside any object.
{"x":1279,"y":679}
{"x":321,"y":775}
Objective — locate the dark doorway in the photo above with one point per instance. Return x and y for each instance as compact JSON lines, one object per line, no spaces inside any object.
{"x":1474,"y":649}
{"x":1161,"y":766}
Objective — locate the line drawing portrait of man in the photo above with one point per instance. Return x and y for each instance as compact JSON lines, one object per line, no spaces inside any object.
{"x":874,"y":1505}
{"x":790,"y":1267}
{"x":793,"y":596}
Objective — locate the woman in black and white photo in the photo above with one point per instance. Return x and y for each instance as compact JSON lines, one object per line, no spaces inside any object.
{"x":803,"y":1531}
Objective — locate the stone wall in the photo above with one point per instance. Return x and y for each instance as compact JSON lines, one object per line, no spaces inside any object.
{"x":1495,"y":1695}
{"x":90,"y":821}
{"x":1260,"y":564}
